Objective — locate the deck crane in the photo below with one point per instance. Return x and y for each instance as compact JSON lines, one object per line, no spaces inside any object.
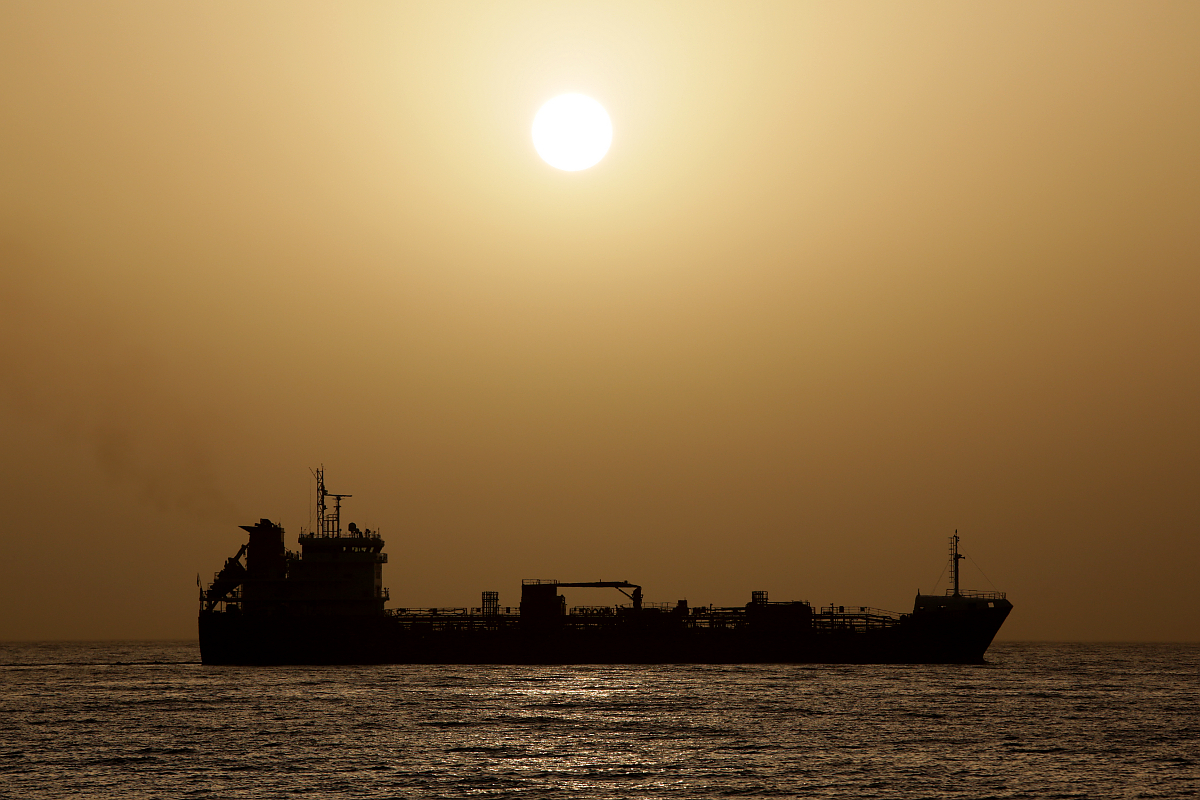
{"x":620,"y":586}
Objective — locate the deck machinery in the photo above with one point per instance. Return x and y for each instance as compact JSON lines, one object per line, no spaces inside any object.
{"x":326,"y":605}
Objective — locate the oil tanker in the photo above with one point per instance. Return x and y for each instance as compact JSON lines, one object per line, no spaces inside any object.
{"x":326,"y":605}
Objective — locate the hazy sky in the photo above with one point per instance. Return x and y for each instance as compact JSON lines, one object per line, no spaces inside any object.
{"x":852,"y":275}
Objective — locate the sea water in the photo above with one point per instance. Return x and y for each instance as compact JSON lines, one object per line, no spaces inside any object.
{"x":130,"y":720}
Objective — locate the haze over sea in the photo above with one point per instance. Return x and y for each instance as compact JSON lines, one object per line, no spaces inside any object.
{"x":145,"y":719}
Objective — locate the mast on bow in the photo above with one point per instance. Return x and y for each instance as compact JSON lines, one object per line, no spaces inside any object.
{"x":955,"y":557}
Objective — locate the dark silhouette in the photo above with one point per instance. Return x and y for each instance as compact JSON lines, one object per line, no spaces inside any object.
{"x":326,"y":606}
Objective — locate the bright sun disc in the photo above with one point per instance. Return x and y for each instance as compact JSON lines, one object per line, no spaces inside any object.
{"x":572,"y":132}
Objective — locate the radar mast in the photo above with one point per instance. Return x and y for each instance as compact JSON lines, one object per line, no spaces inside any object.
{"x":329,"y":523}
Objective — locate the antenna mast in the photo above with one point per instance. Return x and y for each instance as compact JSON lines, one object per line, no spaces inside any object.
{"x":330,"y":523}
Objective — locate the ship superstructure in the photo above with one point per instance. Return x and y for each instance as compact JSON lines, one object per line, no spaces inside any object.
{"x":327,"y":605}
{"x":336,"y":573}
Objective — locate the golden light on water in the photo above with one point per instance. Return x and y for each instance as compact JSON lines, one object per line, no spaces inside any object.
{"x":572,"y":132}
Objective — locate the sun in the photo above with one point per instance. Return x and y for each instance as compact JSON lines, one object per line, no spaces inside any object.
{"x":572,"y":132}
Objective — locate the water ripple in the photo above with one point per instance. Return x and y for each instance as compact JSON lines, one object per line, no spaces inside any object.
{"x":108,"y":720}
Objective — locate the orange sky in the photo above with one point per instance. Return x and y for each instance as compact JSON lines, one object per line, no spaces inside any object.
{"x":851,"y":276}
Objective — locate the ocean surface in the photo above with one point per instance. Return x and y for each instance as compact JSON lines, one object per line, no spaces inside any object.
{"x":145,"y":719}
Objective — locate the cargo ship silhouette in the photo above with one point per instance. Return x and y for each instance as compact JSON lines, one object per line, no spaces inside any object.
{"x":326,"y":605}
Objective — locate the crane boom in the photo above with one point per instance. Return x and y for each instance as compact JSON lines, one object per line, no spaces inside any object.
{"x":620,"y":586}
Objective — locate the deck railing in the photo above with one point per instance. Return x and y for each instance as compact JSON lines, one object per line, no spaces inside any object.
{"x":362,"y":534}
{"x":830,"y":618}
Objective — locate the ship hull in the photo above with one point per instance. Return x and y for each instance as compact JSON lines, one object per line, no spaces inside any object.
{"x":956,"y":637}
